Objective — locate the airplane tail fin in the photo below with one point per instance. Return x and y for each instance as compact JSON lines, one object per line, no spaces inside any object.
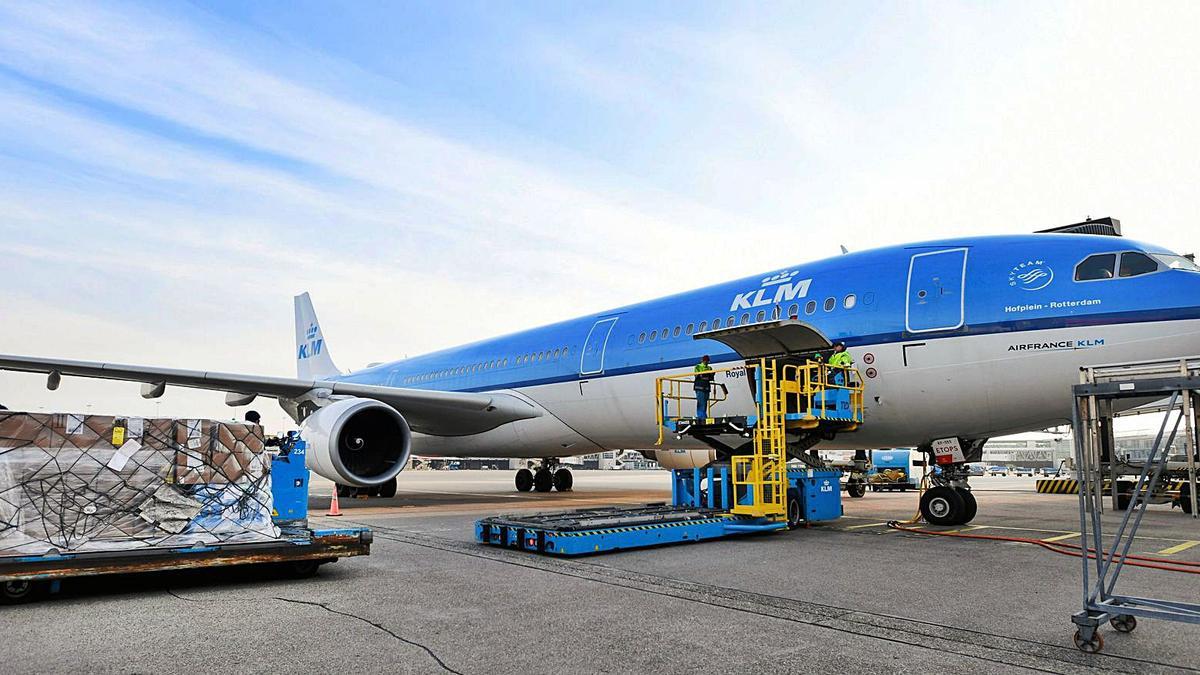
{"x":312,"y":354}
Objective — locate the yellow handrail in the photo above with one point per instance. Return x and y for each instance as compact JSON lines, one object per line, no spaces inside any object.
{"x":679,"y":388}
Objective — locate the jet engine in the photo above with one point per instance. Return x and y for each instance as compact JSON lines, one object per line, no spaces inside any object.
{"x":357,"y":441}
{"x":681,"y":459}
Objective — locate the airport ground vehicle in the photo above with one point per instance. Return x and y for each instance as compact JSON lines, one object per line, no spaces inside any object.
{"x":756,"y":490}
{"x":894,"y":469}
{"x":997,"y":471}
{"x":704,"y":505}
{"x":299,"y":552}
{"x":1022,"y":471}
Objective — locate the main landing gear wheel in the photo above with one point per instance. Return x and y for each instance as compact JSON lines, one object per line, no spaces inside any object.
{"x":563,"y":480}
{"x":972,"y":506}
{"x":943,"y":505}
{"x":856,"y":487}
{"x":1092,"y":646}
{"x":543,"y":480}
{"x":524,"y":480}
{"x":388,"y":489}
{"x":795,"y":517}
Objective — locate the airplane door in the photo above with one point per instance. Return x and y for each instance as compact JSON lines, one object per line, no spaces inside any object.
{"x":936,"y":282}
{"x":592,"y":360}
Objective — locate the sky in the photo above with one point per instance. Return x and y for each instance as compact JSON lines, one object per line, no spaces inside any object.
{"x":171,"y":174}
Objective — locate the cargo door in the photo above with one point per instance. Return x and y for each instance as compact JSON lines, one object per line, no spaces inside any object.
{"x":592,"y":360}
{"x":935,"y":296}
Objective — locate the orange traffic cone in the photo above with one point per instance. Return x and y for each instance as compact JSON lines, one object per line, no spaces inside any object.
{"x":334,"y":510}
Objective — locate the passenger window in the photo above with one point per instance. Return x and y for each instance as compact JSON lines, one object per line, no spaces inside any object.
{"x":566,"y":351}
{"x":730,"y":322}
{"x":794,"y":310}
{"x":1096,"y":267}
{"x":653,"y":335}
{"x":557,"y":353}
{"x":1133,"y":264}
{"x":849,"y":301}
{"x":703,"y":326}
{"x":662,"y":335}
{"x":745,"y":318}
{"x":642,"y":338}
{"x":810,"y":306}
{"x":716,"y":323}
{"x":677,"y":331}
{"x":760,"y":317}
{"x":830,"y":303}
{"x":691,"y":328}
{"x":776,"y":312}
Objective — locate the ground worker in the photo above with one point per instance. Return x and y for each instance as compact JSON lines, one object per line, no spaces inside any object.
{"x":841,"y":360}
{"x":702,"y":384}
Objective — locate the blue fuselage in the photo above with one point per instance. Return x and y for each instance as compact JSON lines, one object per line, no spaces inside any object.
{"x":927,"y":291}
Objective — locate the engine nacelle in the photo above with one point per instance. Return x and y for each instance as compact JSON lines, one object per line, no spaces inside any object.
{"x":682,"y":459}
{"x":357,"y":441}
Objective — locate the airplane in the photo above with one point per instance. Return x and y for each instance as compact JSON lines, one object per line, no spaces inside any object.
{"x":958,"y":341}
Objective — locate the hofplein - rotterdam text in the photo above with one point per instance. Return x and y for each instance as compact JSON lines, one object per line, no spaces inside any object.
{"x":1054,"y":304}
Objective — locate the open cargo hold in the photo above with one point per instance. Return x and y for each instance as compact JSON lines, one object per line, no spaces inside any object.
{"x":89,"y":483}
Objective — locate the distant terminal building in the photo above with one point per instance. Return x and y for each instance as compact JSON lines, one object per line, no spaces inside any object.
{"x":1038,"y":449}
{"x":1033,"y":450}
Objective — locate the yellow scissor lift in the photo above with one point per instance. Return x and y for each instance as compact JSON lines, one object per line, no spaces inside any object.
{"x":795,"y":396}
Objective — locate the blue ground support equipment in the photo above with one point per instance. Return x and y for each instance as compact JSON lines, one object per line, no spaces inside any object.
{"x":700,"y":509}
{"x":289,"y":483}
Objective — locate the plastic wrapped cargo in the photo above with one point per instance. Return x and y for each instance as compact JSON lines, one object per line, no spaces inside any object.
{"x":79,"y":483}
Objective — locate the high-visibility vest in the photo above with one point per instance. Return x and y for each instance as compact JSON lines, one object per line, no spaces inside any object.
{"x":842,"y":359}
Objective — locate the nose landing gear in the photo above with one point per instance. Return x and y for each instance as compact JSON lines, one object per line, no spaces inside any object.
{"x":946,"y":504}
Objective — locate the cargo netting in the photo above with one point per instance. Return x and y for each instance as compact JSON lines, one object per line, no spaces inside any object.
{"x":78,"y":483}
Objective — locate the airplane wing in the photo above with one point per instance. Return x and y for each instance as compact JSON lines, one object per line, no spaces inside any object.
{"x":441,"y":413}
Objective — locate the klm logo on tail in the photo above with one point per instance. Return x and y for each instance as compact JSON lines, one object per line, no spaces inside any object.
{"x":314,"y":344}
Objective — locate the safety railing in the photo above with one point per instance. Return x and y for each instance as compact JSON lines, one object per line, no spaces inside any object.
{"x":824,"y":392}
{"x":677,"y":394}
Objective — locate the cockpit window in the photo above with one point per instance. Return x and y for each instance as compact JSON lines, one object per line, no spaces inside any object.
{"x":1177,"y":262}
{"x":1096,"y":267}
{"x":1133,"y":264}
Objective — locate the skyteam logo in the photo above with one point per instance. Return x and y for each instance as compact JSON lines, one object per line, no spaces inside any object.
{"x":314,"y":344}
{"x":1031,"y":275}
{"x":777,"y":288}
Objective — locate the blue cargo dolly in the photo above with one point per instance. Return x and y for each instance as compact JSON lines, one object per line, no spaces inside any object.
{"x":699,"y":511}
{"x":299,"y":547}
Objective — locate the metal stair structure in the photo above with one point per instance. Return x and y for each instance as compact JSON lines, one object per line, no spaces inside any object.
{"x":760,"y":478}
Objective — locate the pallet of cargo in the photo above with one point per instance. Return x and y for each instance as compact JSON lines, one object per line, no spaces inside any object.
{"x":91,"y":495}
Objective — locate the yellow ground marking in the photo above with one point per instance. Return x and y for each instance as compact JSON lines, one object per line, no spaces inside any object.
{"x":1069,"y":535}
{"x":1179,"y":547}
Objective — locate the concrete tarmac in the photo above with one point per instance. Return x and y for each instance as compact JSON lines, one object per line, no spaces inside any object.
{"x":851,"y":596}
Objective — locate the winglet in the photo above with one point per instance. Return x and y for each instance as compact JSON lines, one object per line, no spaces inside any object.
{"x":312,"y":354}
